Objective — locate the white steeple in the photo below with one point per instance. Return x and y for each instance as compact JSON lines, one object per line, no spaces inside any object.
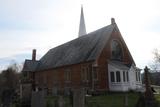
{"x":82,"y":27}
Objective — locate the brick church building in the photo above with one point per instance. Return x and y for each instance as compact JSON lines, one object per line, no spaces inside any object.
{"x":97,"y":61}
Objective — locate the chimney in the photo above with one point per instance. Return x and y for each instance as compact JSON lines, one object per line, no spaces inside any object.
{"x":34,"y":55}
{"x":113,"y":21}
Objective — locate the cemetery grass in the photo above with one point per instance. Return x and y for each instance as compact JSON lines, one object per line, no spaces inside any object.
{"x":112,"y":100}
{"x":107,"y":100}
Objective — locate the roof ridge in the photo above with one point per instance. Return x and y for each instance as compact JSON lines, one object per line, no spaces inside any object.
{"x":84,"y":48}
{"x":89,"y":34}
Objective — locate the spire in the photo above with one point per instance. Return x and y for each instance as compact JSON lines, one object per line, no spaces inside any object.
{"x":82,"y":27}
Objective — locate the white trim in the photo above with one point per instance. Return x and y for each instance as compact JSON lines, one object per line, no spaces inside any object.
{"x":123,"y":85}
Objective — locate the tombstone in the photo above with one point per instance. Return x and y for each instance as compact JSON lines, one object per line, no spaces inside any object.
{"x":25,"y":93}
{"x":67,"y":91}
{"x":78,"y":98}
{"x":38,"y":99}
{"x":125,"y":100}
{"x":60,"y":101}
{"x":54,"y":91}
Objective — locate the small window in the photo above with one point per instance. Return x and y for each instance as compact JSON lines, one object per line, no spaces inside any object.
{"x":95,"y":74}
{"x":118,"y":77}
{"x":127,"y":76}
{"x":85,"y":73}
{"x":124,"y":76}
{"x":139,"y":76}
{"x":136,"y":73}
{"x":55,"y":76}
{"x":112,"y":77}
{"x":67,"y":75}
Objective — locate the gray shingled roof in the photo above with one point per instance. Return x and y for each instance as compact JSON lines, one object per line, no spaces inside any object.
{"x":30,"y":65}
{"x":119,"y":65}
{"x":82,"y":49}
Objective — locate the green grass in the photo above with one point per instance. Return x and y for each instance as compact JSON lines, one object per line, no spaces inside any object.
{"x":108,"y":100}
{"x":157,"y":97}
{"x":112,"y":100}
{"x":51,"y":100}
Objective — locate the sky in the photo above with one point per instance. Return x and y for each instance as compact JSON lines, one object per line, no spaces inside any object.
{"x":45,"y":24}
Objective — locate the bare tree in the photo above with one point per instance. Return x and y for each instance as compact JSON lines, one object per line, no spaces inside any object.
{"x":155,"y":65}
{"x":9,"y":83}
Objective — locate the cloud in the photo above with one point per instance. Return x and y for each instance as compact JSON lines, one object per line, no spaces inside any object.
{"x":28,"y":24}
{"x":18,"y":59}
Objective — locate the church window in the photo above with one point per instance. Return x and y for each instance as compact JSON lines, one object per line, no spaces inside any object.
{"x":55,"y":75}
{"x":112,"y":77}
{"x":124,"y":76}
{"x":139,"y":76}
{"x":136,"y":76}
{"x":95,"y":74}
{"x":67,"y":75}
{"x":118,"y":77}
{"x":85,"y":73}
{"x":127,"y":76}
{"x":116,"y":51}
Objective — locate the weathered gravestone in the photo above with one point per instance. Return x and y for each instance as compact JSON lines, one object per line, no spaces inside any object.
{"x":38,"y":99}
{"x":55,"y":91}
{"x":25,"y":94}
{"x":78,"y":98}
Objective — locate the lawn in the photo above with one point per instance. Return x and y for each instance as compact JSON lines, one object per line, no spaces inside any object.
{"x":112,"y":100}
{"x":107,"y":100}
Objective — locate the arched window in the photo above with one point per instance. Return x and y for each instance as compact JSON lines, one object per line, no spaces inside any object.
{"x":116,"y":50}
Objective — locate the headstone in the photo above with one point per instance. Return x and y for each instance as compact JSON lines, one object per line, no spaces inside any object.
{"x":78,"y":98}
{"x":125,"y":100}
{"x":38,"y":99}
{"x":54,"y":91}
{"x":60,"y":101}
{"x":26,"y":92}
{"x":67,"y":91}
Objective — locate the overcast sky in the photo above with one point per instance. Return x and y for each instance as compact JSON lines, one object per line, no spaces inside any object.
{"x":44,"y":24}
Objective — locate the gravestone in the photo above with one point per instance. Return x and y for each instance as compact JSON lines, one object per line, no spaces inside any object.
{"x":67,"y":91}
{"x":78,"y":98}
{"x":54,"y":91}
{"x":38,"y":99}
{"x":125,"y":100}
{"x":25,"y":93}
{"x":60,"y":101}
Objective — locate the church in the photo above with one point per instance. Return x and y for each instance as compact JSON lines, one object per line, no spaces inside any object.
{"x":97,"y":61}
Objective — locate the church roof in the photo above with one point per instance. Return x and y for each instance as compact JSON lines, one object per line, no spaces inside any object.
{"x":30,"y":65}
{"x":119,"y":65}
{"x":83,"y":49}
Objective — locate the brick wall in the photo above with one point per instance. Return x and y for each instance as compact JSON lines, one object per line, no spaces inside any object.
{"x":55,"y":77}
